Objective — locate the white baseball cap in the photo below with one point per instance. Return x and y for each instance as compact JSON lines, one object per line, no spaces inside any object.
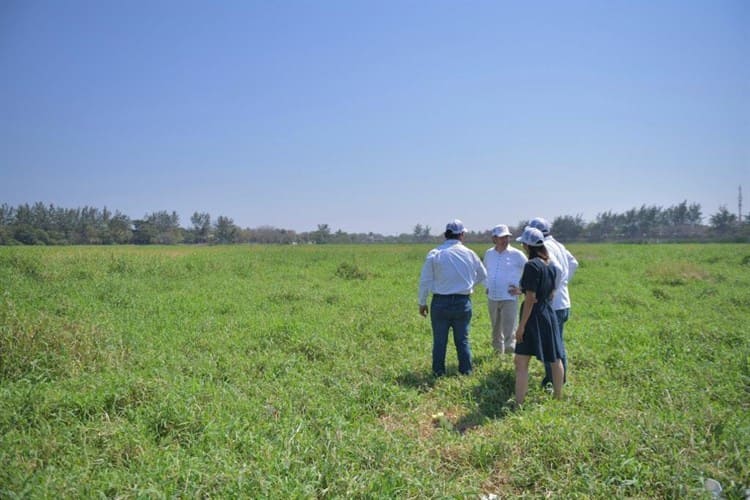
{"x":455,"y":227}
{"x":501,"y":230}
{"x":541,"y":224}
{"x":532,"y":237}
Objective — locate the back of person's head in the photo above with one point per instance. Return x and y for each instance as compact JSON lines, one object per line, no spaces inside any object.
{"x":454,"y":230}
{"x":541,"y":224}
{"x":540,"y":251}
{"x":533,"y":239}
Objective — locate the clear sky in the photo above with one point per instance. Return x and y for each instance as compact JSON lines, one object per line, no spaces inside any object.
{"x":374,"y":115}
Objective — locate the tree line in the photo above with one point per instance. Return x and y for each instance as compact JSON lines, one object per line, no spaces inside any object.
{"x":41,"y":224}
{"x":681,"y":222}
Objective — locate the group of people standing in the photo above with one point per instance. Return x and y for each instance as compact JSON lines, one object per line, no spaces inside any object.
{"x":541,"y":276}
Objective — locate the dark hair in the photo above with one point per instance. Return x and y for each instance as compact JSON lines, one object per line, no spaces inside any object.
{"x":449,"y":235}
{"x":540,"y":251}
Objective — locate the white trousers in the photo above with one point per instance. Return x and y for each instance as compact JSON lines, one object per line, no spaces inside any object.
{"x":504,"y":320}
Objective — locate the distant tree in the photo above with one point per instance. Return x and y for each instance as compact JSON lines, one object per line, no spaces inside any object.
{"x":629,"y":226}
{"x":649,"y":219}
{"x":23,"y":216}
{"x":422,"y":233}
{"x":341,"y":236}
{"x":102,"y":226}
{"x":144,"y":232}
{"x":604,"y":227}
{"x":65,"y":221}
{"x":678,"y":214}
{"x":40,"y":216}
{"x":694,"y":215}
{"x":225,"y":230}
{"x":322,"y":234}
{"x":85,"y":230}
{"x":201,"y":227}
{"x":166,"y":227}
{"x":24,"y":230}
{"x":29,"y":235}
{"x":568,"y":228}
{"x":269,"y":234}
{"x":120,"y":228}
{"x":6,"y":236}
{"x":7,"y":215}
{"x":723,"y":220}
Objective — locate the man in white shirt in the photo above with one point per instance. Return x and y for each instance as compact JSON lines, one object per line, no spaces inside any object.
{"x":450,"y":273}
{"x":561,"y":302}
{"x":504,"y":266}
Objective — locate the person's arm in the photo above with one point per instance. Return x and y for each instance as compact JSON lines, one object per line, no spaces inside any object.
{"x":558,"y":282}
{"x":425,"y":284}
{"x":572,"y":265}
{"x":480,"y":272}
{"x":486,"y":263}
{"x":521,"y":260}
{"x":560,"y":274}
{"x":528,"y":305}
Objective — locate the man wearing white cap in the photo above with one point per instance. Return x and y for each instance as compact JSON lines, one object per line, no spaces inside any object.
{"x":504,"y":266}
{"x":450,"y":272}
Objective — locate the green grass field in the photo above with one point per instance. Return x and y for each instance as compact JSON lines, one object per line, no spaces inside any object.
{"x":304,"y":371}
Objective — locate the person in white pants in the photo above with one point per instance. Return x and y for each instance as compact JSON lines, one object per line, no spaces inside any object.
{"x":504,"y":266}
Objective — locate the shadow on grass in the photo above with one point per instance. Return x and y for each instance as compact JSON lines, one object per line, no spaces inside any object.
{"x":492,"y":395}
{"x":421,"y":381}
{"x":424,"y":381}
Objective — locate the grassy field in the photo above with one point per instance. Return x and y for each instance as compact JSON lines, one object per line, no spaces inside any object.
{"x":304,"y":371}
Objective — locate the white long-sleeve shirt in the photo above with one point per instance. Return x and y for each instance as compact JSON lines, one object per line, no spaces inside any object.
{"x":503,"y":269}
{"x":451,"y":268}
{"x":568,"y":265}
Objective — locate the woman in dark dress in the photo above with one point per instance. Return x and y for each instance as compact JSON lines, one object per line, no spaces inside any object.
{"x":538,"y":333}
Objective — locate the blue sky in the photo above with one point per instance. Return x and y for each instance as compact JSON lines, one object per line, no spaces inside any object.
{"x":374,"y":115}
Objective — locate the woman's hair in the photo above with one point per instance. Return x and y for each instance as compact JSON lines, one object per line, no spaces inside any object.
{"x":540,"y":251}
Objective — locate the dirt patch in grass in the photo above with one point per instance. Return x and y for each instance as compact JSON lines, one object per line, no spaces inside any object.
{"x":677,"y":273}
{"x":423,"y":424}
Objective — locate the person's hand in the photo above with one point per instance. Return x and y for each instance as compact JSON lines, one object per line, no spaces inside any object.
{"x":423,"y":311}
{"x":519,"y":334}
{"x":514,"y":290}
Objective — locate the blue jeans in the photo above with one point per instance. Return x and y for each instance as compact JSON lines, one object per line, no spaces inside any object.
{"x":446,"y":312}
{"x":562,"y":317}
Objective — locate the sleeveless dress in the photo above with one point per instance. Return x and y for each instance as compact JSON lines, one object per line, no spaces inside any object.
{"x":542,"y":337}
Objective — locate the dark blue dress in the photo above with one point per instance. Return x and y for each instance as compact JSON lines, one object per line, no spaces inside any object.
{"x":541,"y":338}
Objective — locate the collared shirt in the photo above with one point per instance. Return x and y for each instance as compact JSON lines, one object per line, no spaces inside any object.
{"x":451,"y":268}
{"x":568,"y":265}
{"x":503,"y":270}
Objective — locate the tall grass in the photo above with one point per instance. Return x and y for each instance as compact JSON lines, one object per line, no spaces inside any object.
{"x":304,"y":372}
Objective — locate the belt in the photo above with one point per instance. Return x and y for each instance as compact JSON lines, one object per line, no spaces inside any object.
{"x":452,"y":295}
